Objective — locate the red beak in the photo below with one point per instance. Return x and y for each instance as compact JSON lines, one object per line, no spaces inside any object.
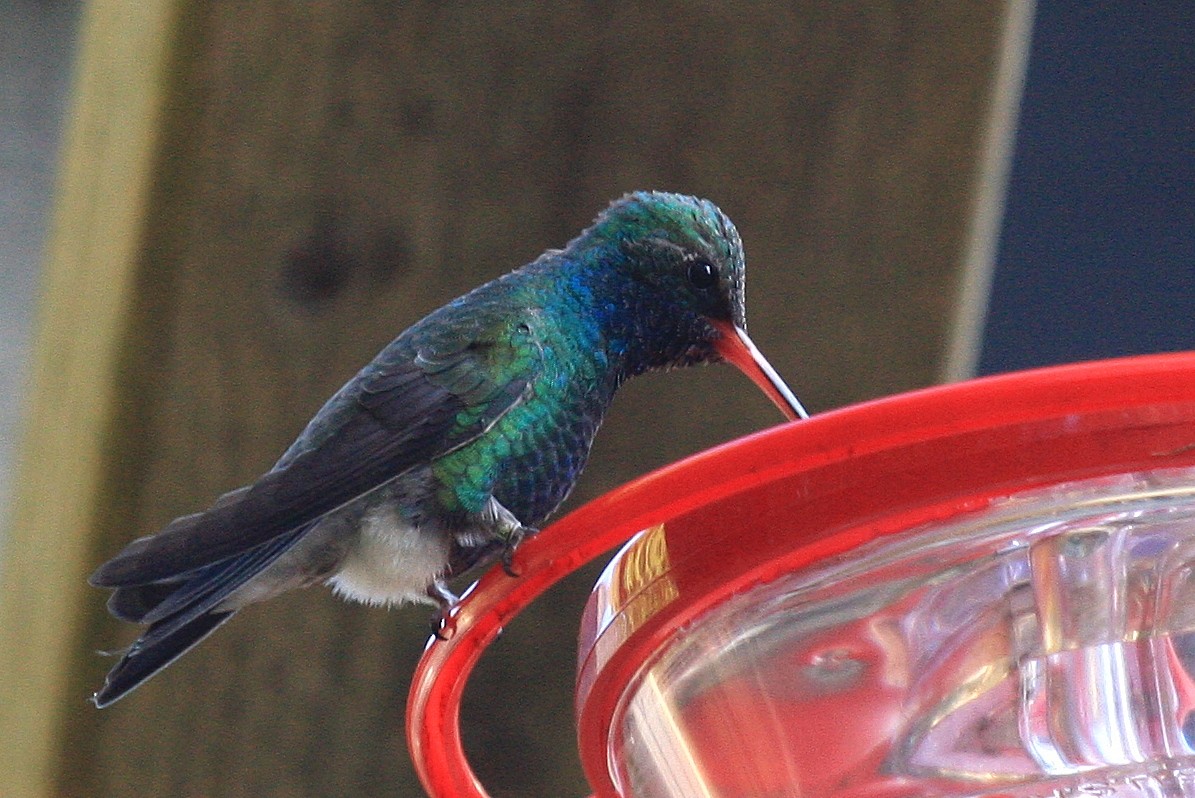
{"x":737,"y":348}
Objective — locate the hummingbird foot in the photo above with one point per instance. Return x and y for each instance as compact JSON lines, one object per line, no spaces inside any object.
{"x":509,"y":545}
{"x":442,"y":622}
{"x":509,"y":532}
{"x":508,"y":556}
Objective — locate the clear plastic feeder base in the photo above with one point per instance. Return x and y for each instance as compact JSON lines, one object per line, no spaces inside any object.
{"x":1043,"y":647}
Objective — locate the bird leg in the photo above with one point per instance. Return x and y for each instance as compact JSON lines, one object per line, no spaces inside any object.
{"x":508,"y":530}
{"x":445,"y":599}
{"x":508,"y":549}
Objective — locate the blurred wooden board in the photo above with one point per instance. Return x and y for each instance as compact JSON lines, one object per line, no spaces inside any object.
{"x":81,"y":342}
{"x":312,"y":178}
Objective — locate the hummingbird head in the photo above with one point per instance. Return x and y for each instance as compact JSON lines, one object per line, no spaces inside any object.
{"x":680,"y":252}
{"x":680,"y":268}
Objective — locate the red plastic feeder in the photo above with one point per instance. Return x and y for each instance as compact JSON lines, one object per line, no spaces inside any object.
{"x":978,"y":589}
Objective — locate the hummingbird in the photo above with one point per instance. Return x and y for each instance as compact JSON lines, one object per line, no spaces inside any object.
{"x":458,"y":440}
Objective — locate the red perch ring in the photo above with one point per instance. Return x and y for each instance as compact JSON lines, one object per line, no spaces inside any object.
{"x":725,"y":530}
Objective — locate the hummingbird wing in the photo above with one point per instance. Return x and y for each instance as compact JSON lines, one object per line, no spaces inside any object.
{"x":433,"y":390}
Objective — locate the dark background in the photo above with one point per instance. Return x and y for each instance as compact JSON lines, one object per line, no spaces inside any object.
{"x":1097,"y":253}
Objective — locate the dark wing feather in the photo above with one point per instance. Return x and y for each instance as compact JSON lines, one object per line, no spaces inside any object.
{"x":135,"y":667}
{"x":203,"y":589}
{"x":405,"y":409}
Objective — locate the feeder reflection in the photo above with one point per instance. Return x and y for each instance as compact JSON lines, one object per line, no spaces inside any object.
{"x":1043,"y":646}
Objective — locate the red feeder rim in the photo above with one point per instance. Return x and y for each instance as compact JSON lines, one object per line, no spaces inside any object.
{"x":875,"y":468}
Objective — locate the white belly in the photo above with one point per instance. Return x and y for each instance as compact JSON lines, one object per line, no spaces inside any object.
{"x":391,"y":562}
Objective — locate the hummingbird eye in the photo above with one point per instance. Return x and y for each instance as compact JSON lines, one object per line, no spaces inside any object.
{"x":702,"y":274}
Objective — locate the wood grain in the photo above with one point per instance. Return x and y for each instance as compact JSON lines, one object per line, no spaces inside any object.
{"x":62,"y":474}
{"x":329,"y":172}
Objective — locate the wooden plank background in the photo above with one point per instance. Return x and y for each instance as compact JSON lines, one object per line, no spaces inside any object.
{"x":76,"y":393}
{"x":323,"y":174}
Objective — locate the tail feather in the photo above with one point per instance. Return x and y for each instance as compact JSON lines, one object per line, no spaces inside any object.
{"x":206,"y":587}
{"x":181,"y":612}
{"x":133,"y":603}
{"x":142,"y":661}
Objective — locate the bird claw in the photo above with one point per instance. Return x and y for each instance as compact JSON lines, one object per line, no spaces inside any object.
{"x":443,"y":627}
{"x":442,"y":621}
{"x":508,"y":531}
{"x":509,"y":545}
